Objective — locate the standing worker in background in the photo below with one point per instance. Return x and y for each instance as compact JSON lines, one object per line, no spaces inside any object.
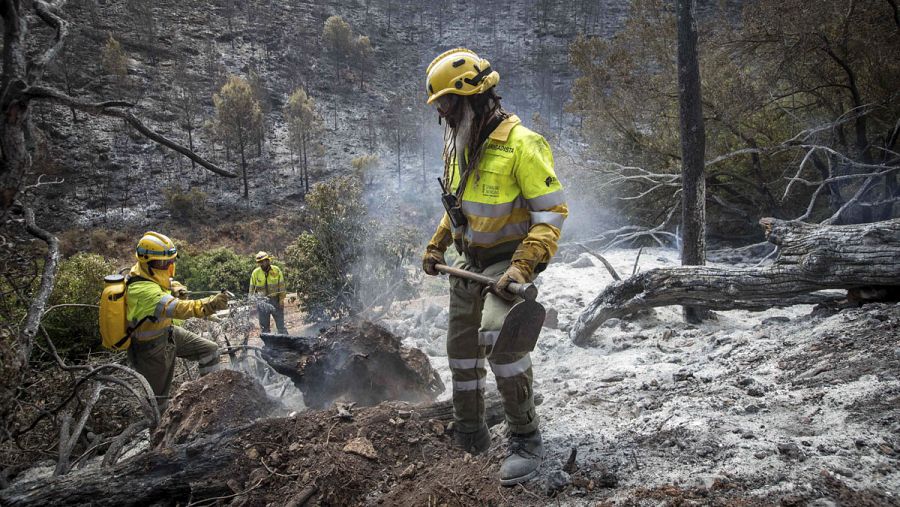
{"x":152,"y":300}
{"x":505,"y":209}
{"x":267,"y":281}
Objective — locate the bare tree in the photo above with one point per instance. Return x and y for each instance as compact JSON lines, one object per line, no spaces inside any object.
{"x":693,"y":148}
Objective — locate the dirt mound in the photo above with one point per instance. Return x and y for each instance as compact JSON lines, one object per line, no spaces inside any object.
{"x":387,"y":454}
{"x":221,"y":400}
{"x":361,"y":363}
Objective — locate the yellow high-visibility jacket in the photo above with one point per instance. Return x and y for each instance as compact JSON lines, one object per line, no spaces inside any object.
{"x":147,"y":298}
{"x":269,"y":284}
{"x":513,"y":202}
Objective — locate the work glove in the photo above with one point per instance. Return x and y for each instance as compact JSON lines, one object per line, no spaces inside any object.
{"x":512,"y":274}
{"x":179,"y":290}
{"x":215,"y":303}
{"x":432,"y":257}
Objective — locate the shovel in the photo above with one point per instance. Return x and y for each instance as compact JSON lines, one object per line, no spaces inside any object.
{"x":523,"y":323}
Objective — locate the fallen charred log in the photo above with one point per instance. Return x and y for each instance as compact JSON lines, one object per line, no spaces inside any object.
{"x":355,"y":363}
{"x":863,"y":258}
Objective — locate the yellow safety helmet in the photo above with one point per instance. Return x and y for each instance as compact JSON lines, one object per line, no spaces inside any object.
{"x":459,"y":71}
{"x":154,"y":246}
{"x":262,"y":256}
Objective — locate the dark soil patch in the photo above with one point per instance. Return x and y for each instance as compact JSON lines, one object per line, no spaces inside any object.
{"x":224,"y":399}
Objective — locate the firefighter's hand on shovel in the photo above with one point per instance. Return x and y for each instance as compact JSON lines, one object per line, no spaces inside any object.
{"x":522,"y":324}
{"x":526,"y":291}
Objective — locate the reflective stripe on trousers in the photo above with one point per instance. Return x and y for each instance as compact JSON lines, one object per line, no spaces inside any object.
{"x":474,"y":326}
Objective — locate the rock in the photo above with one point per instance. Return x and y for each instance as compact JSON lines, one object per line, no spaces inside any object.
{"x":682,"y":375}
{"x":842,"y":471}
{"x":755,"y":392}
{"x":408,"y":472}
{"x":606,"y":479}
{"x":437,"y":427}
{"x":583,"y":261}
{"x":791,"y":451}
{"x":557,"y":480}
{"x":361,"y":446}
{"x":252,"y":453}
{"x":551,"y":320}
{"x":234,"y":486}
{"x":256,"y":476}
{"x":775,"y":320}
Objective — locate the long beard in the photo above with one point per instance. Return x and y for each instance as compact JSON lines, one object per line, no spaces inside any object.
{"x":463,"y":132}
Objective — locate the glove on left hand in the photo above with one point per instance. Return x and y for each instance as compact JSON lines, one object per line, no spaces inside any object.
{"x":179,"y":290}
{"x":513,"y":274}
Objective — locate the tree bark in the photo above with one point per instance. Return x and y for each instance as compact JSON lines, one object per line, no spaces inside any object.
{"x":811,"y":258}
{"x":693,"y":148}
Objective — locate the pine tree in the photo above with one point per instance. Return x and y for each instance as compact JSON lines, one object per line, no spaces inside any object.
{"x":238,"y":118}
{"x":303,"y":122}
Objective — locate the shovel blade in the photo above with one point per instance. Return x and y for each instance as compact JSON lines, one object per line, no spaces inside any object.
{"x":521,"y":328}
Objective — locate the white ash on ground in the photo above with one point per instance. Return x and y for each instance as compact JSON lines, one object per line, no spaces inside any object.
{"x":773,"y":401}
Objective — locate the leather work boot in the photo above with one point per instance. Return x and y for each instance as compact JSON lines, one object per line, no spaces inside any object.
{"x":473,"y":443}
{"x":526,"y":452}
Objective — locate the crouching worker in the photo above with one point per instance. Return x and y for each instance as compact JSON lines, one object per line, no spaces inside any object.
{"x":152,"y":301}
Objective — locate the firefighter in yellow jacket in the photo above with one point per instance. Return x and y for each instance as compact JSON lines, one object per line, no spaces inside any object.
{"x":267,"y":283}
{"x":152,"y":301}
{"x":505,"y":209}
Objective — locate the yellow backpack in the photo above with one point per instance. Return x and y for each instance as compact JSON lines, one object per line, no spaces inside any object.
{"x":113,"y":314}
{"x":114,"y":327}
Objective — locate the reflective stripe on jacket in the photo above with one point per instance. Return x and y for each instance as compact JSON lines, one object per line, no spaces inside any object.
{"x":513,"y":201}
{"x":148,"y":298}
{"x":269,"y":284}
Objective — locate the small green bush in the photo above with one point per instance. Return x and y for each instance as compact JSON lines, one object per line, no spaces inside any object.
{"x":185,"y":206}
{"x":75,"y":331}
{"x":219,"y":268}
{"x":345,"y":263}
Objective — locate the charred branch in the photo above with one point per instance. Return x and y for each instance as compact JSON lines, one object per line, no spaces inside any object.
{"x":115,"y":109}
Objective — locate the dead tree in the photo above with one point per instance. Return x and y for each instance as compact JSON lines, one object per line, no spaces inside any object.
{"x":693,"y":147}
{"x":811,"y":258}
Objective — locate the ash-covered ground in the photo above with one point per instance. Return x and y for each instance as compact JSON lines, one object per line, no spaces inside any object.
{"x":799,"y":406}
{"x":796,"y":405}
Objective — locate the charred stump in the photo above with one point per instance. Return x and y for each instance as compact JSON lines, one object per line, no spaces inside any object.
{"x":355,"y":363}
{"x":863,"y":259}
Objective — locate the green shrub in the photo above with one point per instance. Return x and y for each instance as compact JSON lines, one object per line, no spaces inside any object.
{"x":219,"y":268}
{"x":321,"y":261}
{"x":344,"y":263}
{"x":184,"y":206}
{"x":75,"y":331}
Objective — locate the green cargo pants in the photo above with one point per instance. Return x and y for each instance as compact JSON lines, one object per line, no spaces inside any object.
{"x":475,"y":322}
{"x":155,"y":360}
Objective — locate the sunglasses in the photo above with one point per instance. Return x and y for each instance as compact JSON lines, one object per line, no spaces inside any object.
{"x":161,"y":264}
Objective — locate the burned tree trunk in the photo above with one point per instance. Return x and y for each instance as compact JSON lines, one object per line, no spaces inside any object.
{"x":811,"y":258}
{"x":693,"y":149}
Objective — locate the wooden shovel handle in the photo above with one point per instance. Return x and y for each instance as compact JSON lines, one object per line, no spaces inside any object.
{"x":526,"y":291}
